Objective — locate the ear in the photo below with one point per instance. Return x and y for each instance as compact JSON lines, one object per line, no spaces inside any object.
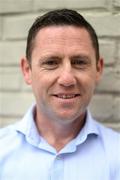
{"x":26,"y":70}
{"x":100,"y":67}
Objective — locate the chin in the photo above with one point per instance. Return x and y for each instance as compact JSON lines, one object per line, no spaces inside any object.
{"x":67,"y":118}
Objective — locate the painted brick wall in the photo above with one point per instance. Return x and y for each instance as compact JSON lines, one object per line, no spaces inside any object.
{"x":15,"y":20}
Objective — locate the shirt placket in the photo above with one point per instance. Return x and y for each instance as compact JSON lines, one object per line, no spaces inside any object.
{"x":57,"y":169}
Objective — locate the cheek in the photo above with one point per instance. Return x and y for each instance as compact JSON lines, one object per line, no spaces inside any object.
{"x":89,"y":84}
{"x":40,"y":84}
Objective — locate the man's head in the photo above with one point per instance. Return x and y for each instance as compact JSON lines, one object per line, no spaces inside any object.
{"x":61,"y":65}
{"x":60,"y":18}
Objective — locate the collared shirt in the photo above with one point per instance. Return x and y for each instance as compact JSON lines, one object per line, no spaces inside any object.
{"x":93,"y":155}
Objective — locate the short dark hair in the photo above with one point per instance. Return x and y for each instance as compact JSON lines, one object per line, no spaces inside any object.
{"x":60,"y":17}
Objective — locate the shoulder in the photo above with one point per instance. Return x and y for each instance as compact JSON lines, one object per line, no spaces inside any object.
{"x":110,"y":141}
{"x":107,"y":134}
{"x":108,"y":138}
{"x":7,"y":133}
{"x":9,"y":139}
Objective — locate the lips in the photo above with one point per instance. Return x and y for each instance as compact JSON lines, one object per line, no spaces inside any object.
{"x":66,"y":96}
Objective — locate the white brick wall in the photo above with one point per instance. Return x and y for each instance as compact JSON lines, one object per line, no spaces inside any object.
{"x":102,"y":107}
{"x":10,"y":79}
{"x":11,"y":52}
{"x":15,"y":19}
{"x":116,"y":3}
{"x":106,"y":24}
{"x":119,"y":52}
{"x":12,"y":6}
{"x":117,"y":109}
{"x":108,"y":46}
{"x":0,"y":28}
{"x":111,"y":81}
{"x":79,"y":4}
{"x":16,"y":27}
{"x":13,"y":104}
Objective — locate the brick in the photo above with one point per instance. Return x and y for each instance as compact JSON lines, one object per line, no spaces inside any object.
{"x":11,"y":52}
{"x":12,"y":6}
{"x":110,"y":81}
{"x":10,"y":78}
{"x":69,"y":4}
{"x":105,"y":47}
{"x":118,"y":68}
{"x":14,"y":103}
{"x":16,"y":27}
{"x":117,"y":108}
{"x":5,"y":121}
{"x":25,"y":87}
{"x":119,"y":52}
{"x":102,"y":107}
{"x":0,"y":27}
{"x":114,"y":126}
{"x":116,"y":3}
{"x":105,"y":24}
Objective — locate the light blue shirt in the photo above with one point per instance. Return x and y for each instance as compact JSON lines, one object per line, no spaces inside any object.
{"x":93,"y":155}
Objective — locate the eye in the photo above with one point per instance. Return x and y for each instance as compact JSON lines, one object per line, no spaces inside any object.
{"x":79,"y":63}
{"x":50,"y":64}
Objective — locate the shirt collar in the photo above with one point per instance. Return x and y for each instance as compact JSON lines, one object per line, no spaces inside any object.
{"x":90,"y":128}
{"x":27,"y":127}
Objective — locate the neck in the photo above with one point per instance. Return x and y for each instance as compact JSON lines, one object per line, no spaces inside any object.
{"x":58,"y":134}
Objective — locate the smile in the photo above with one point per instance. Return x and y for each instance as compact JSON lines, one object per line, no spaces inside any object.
{"x":66,"y":96}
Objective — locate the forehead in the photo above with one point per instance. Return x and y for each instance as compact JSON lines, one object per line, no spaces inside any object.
{"x":62,"y":38}
{"x":64,"y":32}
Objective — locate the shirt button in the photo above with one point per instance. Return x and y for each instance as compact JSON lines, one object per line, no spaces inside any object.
{"x":58,"y":157}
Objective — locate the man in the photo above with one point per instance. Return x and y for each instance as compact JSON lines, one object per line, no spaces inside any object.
{"x":58,"y":138}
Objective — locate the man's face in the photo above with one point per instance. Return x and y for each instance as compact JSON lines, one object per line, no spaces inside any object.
{"x":63,"y":72}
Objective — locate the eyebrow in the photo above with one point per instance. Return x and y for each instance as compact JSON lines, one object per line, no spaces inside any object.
{"x":59,"y":57}
{"x":47,"y":58}
{"x":81,"y":56}
{"x":84,"y":57}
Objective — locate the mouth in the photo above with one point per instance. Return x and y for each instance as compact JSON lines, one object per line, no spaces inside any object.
{"x":66,"y":96}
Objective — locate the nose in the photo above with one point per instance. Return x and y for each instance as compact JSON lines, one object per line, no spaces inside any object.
{"x":67,"y":77}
